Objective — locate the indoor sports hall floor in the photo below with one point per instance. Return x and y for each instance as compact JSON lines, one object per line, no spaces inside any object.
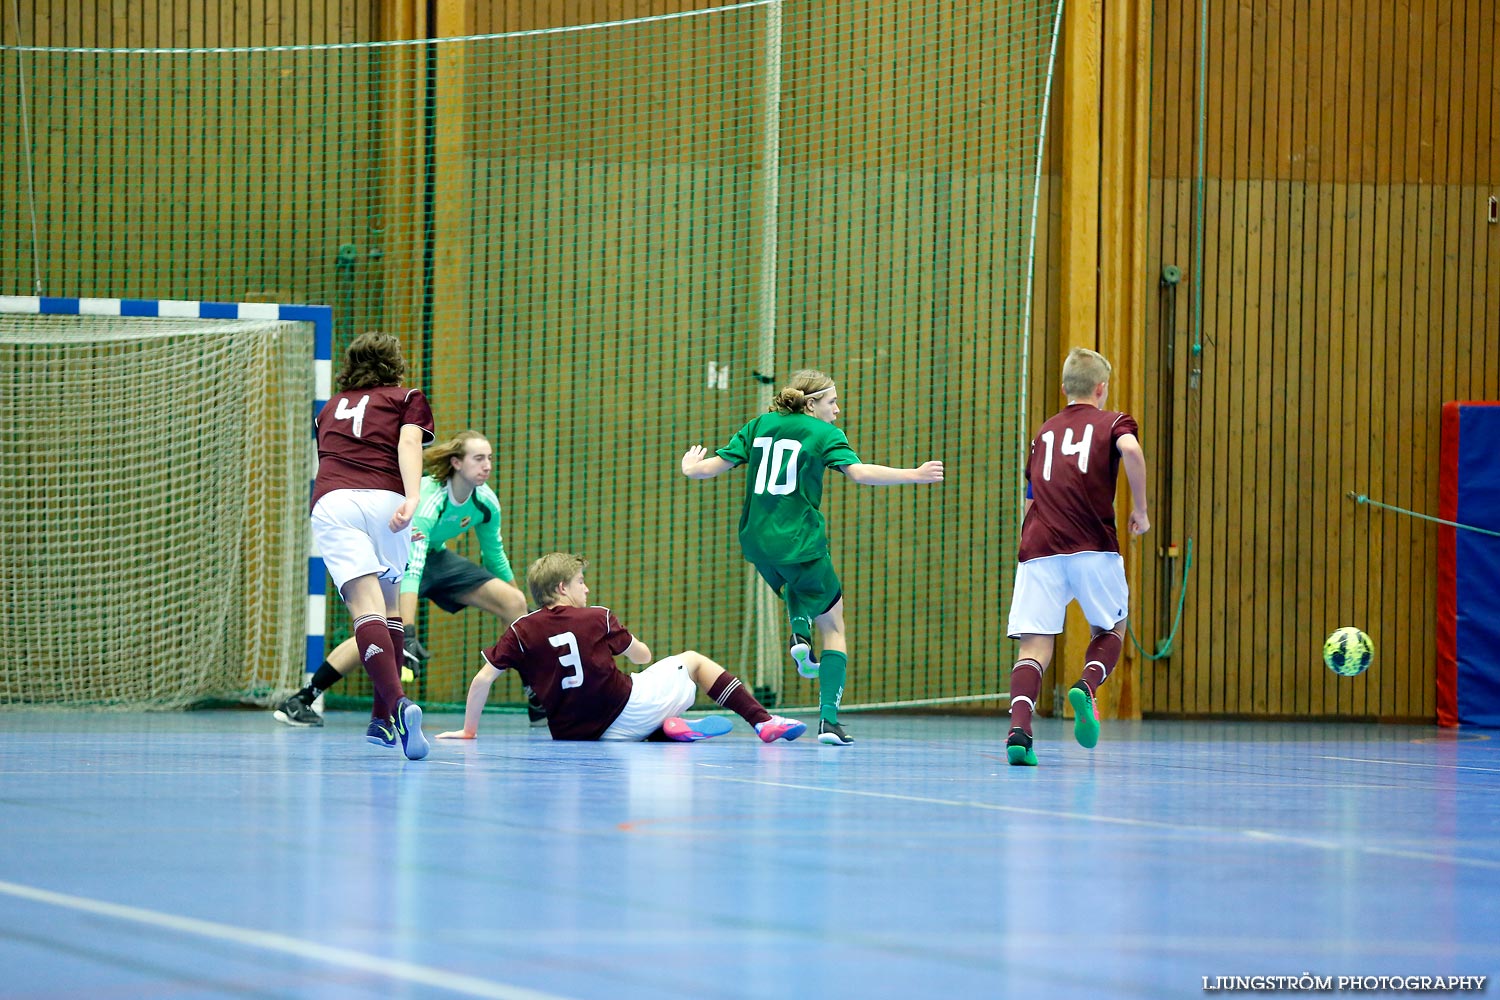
{"x":220,"y":854}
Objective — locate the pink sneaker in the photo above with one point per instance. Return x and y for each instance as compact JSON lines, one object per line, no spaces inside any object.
{"x":780,"y":728}
{"x":689,"y":730}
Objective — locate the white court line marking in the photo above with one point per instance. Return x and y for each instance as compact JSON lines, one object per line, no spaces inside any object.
{"x":1391,"y":852}
{"x":1257,"y":835}
{"x":1412,"y":763}
{"x":360,"y":962}
{"x":971,"y":804}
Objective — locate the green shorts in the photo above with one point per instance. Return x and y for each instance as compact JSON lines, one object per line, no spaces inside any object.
{"x":809,"y":589}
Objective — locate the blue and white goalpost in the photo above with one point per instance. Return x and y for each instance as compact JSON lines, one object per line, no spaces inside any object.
{"x":48,"y":341}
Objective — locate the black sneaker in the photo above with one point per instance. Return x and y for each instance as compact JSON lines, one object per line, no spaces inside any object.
{"x":296,"y":712}
{"x":535,"y":713}
{"x":833,"y":734}
{"x":1018,"y":748}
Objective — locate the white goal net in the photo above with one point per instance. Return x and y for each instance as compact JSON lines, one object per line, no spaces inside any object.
{"x":153,"y":509}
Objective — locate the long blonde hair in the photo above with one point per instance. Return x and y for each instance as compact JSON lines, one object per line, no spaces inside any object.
{"x":796,"y":395}
{"x":436,"y":460}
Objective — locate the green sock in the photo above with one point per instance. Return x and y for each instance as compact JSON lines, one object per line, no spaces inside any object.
{"x":831,"y":683}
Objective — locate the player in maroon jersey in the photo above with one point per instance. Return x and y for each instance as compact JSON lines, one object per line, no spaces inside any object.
{"x":565,"y":652}
{"x":370,"y":437}
{"x":1069,"y":550}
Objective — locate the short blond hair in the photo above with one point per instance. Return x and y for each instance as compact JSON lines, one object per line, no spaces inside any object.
{"x":1083,"y":370}
{"x":550,"y":572}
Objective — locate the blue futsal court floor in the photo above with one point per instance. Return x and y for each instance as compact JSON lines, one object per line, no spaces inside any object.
{"x":220,"y":854}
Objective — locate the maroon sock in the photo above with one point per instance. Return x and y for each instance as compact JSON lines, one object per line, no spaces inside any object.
{"x":1103,"y":653}
{"x":1025,"y":689}
{"x":729,"y":692}
{"x":373,"y":640}
{"x":398,"y":642}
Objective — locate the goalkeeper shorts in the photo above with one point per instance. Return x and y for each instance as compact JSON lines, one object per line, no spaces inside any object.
{"x":447,"y":576}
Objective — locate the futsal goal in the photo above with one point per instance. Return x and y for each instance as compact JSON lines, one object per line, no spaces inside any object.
{"x":153,"y":500}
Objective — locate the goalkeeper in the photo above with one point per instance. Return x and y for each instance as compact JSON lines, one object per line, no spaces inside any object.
{"x":454,"y":500}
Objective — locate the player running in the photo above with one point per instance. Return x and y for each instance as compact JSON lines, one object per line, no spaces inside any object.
{"x":782,"y":531}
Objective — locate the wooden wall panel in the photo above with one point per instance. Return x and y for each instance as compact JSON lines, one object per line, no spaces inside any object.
{"x":1348,"y":291}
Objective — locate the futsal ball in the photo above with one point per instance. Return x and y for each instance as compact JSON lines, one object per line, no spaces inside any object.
{"x":1348,"y":651}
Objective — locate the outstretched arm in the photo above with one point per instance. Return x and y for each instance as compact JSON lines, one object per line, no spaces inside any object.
{"x":1134,"y":461}
{"x":479,"y":693}
{"x":697,"y":463}
{"x":884,"y":475}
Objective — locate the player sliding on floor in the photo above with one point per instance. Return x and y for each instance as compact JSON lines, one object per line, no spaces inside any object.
{"x":1069,"y":550}
{"x":782,"y":531}
{"x":565,"y":652}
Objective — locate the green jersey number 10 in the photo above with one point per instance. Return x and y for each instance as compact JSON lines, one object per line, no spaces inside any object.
{"x":777,"y":472}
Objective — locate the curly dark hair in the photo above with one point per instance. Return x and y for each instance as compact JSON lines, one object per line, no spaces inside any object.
{"x":373,"y":359}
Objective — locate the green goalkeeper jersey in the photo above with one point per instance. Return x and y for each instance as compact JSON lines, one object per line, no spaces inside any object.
{"x":440,"y":519}
{"x":786,"y":454}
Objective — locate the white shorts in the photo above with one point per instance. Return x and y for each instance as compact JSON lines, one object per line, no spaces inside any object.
{"x":657,"y":693}
{"x":1096,"y":580}
{"x":351,"y":531}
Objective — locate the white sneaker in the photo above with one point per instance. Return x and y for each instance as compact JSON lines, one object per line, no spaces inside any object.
{"x":801,"y":651}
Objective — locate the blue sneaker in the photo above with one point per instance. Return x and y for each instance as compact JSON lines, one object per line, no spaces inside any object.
{"x":691,"y":730}
{"x":381,"y":733}
{"x":409,"y":728}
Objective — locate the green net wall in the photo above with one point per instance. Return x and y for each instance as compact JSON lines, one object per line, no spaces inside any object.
{"x":601,"y":245}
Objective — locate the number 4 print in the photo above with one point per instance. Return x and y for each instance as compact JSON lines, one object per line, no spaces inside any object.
{"x":345,"y":411}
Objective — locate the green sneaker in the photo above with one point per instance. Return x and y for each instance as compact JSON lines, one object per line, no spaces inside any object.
{"x":1085,"y":718}
{"x":1018,"y":749}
